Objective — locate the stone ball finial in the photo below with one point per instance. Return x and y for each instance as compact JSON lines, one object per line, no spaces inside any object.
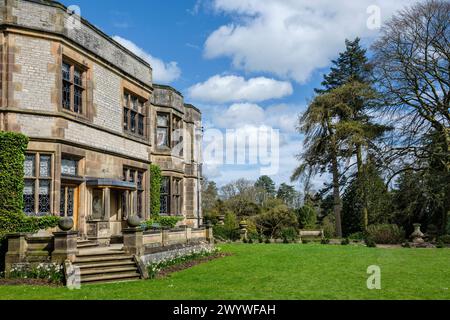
{"x":134,"y":221}
{"x":65,"y":224}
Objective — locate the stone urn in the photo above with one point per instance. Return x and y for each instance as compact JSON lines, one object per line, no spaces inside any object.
{"x":243,"y":224}
{"x":134,"y":222}
{"x":243,"y":229}
{"x":417,"y":235}
{"x":221,"y":220}
{"x":65,"y":224}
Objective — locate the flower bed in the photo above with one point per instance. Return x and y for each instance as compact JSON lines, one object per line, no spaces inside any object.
{"x":183,"y":261}
{"x":51,"y":273}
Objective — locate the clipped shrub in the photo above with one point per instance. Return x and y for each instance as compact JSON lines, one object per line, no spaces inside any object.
{"x":289,"y":234}
{"x":345,"y":242}
{"x":445,"y":239}
{"x":370,"y":243}
{"x":155,"y":190}
{"x":385,"y":234}
{"x":440,"y":245}
{"x":325,"y":241}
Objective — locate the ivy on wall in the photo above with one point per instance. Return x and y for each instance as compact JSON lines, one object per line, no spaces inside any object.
{"x":12,"y":219}
{"x":12,"y":157}
{"x":155,"y":190}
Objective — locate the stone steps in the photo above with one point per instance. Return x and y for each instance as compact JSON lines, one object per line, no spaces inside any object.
{"x":106,"y":266}
{"x":86,"y":244}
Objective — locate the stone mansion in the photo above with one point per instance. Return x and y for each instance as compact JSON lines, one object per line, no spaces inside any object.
{"x":96,"y":121}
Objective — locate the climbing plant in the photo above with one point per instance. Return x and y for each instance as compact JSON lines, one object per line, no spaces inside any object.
{"x":12,"y":157}
{"x":155,"y":190}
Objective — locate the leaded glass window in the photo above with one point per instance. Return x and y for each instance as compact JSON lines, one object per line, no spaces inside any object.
{"x":67,"y":201}
{"x":69,"y":167}
{"x":38,"y":184}
{"x":162,"y":130}
{"x":165,"y":195}
{"x":73,"y":87}
{"x":133,"y":115}
{"x":28,"y":197}
{"x":135,"y":176}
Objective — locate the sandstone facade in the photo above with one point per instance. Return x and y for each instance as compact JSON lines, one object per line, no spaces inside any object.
{"x":96,"y":121}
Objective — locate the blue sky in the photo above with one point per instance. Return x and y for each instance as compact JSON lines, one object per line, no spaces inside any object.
{"x":247,"y":64}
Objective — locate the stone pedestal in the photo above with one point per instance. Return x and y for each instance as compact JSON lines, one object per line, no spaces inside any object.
{"x":65,"y":244}
{"x":133,"y":241}
{"x":165,"y":237}
{"x":17,"y":250}
{"x":209,"y":234}
{"x":188,"y":234}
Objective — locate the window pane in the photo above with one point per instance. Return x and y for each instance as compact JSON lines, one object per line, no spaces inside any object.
{"x":62,"y":202}
{"x":66,"y":71}
{"x":28,"y":197}
{"x":133,"y":121}
{"x":141,"y":125}
{"x":44,"y":196}
{"x":164,"y":204}
{"x":125,"y":100}
{"x":162,"y":137}
{"x":70,"y":201}
{"x":29,"y":165}
{"x":69,"y":167}
{"x":135,"y":102}
{"x":78,"y":77}
{"x":162,"y":120}
{"x":140,"y":178}
{"x":66,"y":95}
{"x":165,"y":187}
{"x":45,"y":166}
{"x":125,"y":118}
{"x":78,"y":100}
{"x":140,"y":195}
{"x":132,"y":176}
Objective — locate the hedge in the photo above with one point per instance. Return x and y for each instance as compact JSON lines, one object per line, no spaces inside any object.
{"x":155,"y":190}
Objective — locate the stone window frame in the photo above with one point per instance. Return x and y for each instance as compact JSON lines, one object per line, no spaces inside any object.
{"x":137,"y":198}
{"x":36,"y":179}
{"x":83,"y":86}
{"x":167,"y":128}
{"x":141,"y":111}
{"x":174,"y":199}
{"x":175,"y":122}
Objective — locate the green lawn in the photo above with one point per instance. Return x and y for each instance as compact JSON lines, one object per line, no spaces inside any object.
{"x":262,"y":271}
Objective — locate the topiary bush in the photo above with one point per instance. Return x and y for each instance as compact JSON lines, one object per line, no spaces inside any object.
{"x":385,"y":234}
{"x":155,"y":190}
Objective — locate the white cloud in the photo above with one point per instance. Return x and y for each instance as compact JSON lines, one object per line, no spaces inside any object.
{"x":223,"y":89}
{"x":162,"y":72}
{"x":283,"y":117}
{"x":291,"y":38}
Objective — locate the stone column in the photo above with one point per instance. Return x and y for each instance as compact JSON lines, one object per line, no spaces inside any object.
{"x":65,"y":246}
{"x":107,"y":204}
{"x":17,"y":249}
{"x":133,"y":241}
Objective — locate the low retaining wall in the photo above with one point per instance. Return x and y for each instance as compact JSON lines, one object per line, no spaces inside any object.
{"x":173,"y":252}
{"x":164,"y":238}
